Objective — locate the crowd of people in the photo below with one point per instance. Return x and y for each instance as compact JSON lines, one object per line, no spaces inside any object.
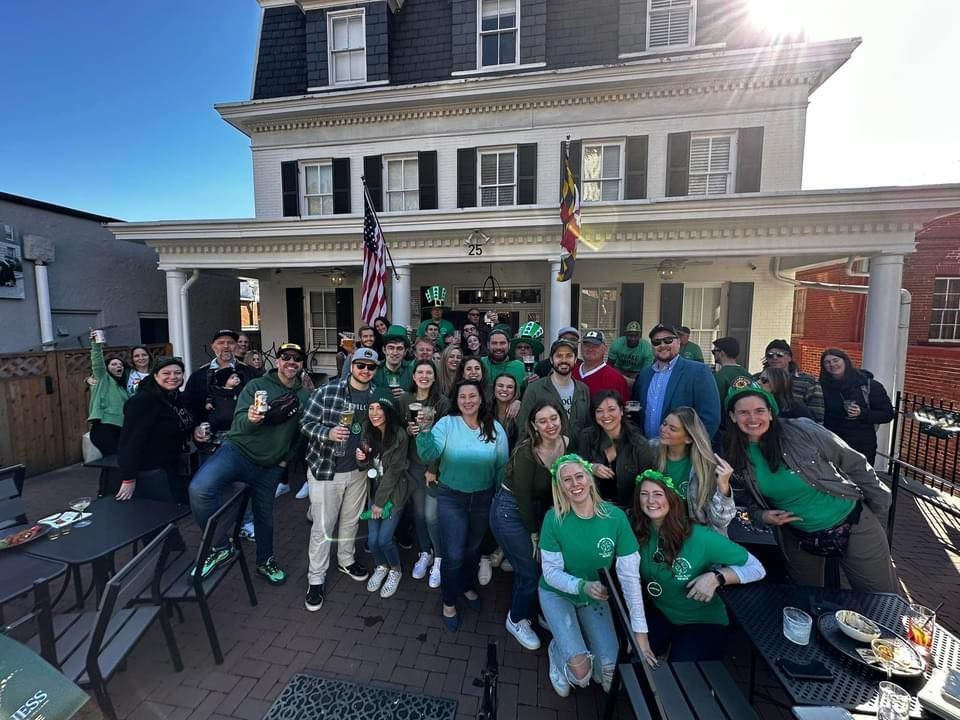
{"x":479,"y":446}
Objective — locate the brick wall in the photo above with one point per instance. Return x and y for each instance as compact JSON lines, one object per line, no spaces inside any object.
{"x":833,"y":317}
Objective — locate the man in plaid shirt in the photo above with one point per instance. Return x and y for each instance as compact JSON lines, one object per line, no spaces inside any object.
{"x":338,"y":488}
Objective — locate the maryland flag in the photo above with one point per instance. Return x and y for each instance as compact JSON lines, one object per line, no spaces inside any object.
{"x":570,"y":217}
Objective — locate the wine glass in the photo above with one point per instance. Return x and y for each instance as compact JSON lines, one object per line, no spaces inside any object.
{"x":79,"y":505}
{"x":885,"y":649}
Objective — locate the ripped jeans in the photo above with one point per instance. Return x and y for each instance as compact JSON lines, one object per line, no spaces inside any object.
{"x":579,"y":629}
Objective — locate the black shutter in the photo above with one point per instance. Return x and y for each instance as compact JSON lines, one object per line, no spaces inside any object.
{"x":636,"y":168}
{"x":341,"y":185}
{"x":344,"y":298}
{"x":671,"y":304}
{"x":373,"y":175}
{"x":427,"y":171}
{"x":295,"y":317}
{"x":574,"y":305}
{"x":527,"y":174}
{"x":631,"y":304}
{"x":466,"y":177}
{"x":740,"y":316}
{"x":678,"y":163}
{"x":749,"y":155}
{"x":575,"y":152}
{"x":290,"y":188}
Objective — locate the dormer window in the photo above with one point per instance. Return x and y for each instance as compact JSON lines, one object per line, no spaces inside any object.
{"x":498,"y":36}
{"x":670,"y":23}
{"x":347,"y":43}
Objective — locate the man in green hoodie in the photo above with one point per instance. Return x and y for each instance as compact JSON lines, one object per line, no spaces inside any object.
{"x":255,"y":451}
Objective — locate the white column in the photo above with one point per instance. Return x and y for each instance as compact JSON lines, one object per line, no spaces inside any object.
{"x":883,"y":309}
{"x":400,"y":296}
{"x":43,"y":304}
{"x":559,"y":304}
{"x":175,"y":281}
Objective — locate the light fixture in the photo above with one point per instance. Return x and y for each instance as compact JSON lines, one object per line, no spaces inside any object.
{"x":337,"y":276}
{"x":491,"y":290}
{"x":667,"y":272}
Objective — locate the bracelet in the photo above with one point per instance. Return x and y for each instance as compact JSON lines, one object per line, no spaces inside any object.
{"x":721,"y":578}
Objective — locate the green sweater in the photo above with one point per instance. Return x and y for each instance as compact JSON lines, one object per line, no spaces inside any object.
{"x":266,"y":445}
{"x":106,"y":397}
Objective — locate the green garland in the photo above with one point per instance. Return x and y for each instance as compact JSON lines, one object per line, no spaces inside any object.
{"x":563,"y":460}
{"x":659,"y":477}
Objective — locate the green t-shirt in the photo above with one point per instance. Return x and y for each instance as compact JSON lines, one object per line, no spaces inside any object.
{"x":403,"y":375}
{"x":786,"y":490}
{"x":445,"y":327}
{"x":700,"y":552}
{"x":630,"y":359}
{"x":679,"y":470}
{"x":725,"y":377}
{"x":692,"y":351}
{"x":513,"y":368}
{"x":587,"y":545}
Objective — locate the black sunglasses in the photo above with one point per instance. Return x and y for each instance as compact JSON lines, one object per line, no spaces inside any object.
{"x":663,"y":340}
{"x":658,"y":557}
{"x":366,"y":366}
{"x":291,"y":358}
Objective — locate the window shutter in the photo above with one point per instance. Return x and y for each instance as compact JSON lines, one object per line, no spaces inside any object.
{"x":466,"y":177}
{"x":631,"y":303}
{"x":575,"y":305}
{"x":344,"y":298}
{"x":671,"y":304}
{"x":740,"y":316}
{"x":295,"y":316}
{"x":749,"y":155}
{"x":341,"y":185}
{"x":678,"y":163}
{"x":290,"y":188}
{"x":576,"y":150}
{"x":373,"y":175}
{"x":527,"y":174}
{"x":427,"y":171}
{"x":636,"y":168}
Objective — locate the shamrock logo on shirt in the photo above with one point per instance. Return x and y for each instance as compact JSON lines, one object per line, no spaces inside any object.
{"x":605,"y":547}
{"x":682,"y":569}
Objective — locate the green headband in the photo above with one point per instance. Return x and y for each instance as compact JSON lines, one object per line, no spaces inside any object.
{"x":659,"y":477}
{"x":569,"y":458}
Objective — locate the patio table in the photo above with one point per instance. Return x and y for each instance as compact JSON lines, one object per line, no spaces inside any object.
{"x":19,"y":574}
{"x":758,"y":610}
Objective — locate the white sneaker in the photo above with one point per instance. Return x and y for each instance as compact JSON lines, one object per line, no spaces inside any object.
{"x":523,"y":633}
{"x":376,"y":580}
{"x":557,"y":677}
{"x":434,"y":581}
{"x":390,"y":586}
{"x":506,"y":566}
{"x":247,"y":531}
{"x":496,"y":557}
{"x":423,"y":562}
{"x":304,"y":492}
{"x":282,"y":489}
{"x":485,"y":573}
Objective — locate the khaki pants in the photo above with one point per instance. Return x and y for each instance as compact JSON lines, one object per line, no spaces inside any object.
{"x":867,"y":564}
{"x":342,"y":498}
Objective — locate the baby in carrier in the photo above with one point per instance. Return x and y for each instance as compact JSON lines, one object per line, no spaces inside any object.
{"x":222,"y":393}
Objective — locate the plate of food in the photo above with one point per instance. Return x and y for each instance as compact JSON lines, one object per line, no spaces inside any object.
{"x":15,"y":537}
{"x":856,"y":626}
{"x":906,"y":662}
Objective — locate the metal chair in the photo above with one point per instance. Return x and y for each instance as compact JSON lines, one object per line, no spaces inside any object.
{"x":12,"y":510}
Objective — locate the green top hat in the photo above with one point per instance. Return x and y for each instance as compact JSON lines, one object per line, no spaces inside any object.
{"x":437,"y":296}
{"x":530,"y":333}
{"x":397,"y":332}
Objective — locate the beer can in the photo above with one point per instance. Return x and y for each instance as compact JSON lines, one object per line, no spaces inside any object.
{"x":99,"y":336}
{"x":205,"y":430}
{"x":260,"y":401}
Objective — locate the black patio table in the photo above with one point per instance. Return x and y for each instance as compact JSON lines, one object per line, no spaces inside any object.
{"x":113,"y":526}
{"x":19,"y":574}
{"x":758,"y":610}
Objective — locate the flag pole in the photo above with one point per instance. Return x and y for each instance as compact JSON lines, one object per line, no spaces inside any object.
{"x":369,"y":200}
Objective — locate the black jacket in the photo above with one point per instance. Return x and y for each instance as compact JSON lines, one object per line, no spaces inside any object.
{"x":875,"y":409}
{"x":634,"y":455}
{"x":155,"y":428}
{"x":197,"y":390}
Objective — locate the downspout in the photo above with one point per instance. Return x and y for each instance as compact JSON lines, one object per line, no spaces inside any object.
{"x":43,"y":305}
{"x":856,"y":289}
{"x":185,"y":321}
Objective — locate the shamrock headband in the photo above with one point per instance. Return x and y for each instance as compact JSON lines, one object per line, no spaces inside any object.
{"x":566,"y":459}
{"x":660,"y":478}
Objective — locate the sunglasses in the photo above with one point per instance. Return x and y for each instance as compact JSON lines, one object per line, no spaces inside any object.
{"x":776,"y":354}
{"x":365,"y":366}
{"x":291,"y":358}
{"x":663,"y":340}
{"x":658,"y":557}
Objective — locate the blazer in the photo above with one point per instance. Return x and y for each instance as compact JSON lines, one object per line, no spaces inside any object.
{"x":691,"y":385}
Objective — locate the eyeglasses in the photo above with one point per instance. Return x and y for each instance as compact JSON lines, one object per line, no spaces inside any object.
{"x":663,"y":340}
{"x":776,"y":354}
{"x":291,"y":358}
{"x":365,"y":366}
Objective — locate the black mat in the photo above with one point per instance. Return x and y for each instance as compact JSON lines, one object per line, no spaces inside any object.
{"x":309,"y":697}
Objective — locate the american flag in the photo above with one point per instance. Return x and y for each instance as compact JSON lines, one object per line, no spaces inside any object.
{"x":570,"y":217}
{"x":374,"y":299}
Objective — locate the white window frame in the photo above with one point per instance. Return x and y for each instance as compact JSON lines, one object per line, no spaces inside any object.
{"x":610,"y":329}
{"x":403,"y":191}
{"x":304,"y":196}
{"x":691,"y":28}
{"x":332,"y":17}
{"x":695,"y":331}
{"x":731,"y":171}
{"x":311,"y":328}
{"x":954,"y":282}
{"x":619,"y":142}
{"x":480,"y":186}
{"x":481,"y":33}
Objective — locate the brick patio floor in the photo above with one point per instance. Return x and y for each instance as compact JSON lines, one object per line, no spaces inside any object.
{"x":396,"y":643}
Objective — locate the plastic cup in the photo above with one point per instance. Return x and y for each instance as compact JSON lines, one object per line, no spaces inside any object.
{"x":920,"y":625}
{"x":797,"y":625}
{"x":893,"y":702}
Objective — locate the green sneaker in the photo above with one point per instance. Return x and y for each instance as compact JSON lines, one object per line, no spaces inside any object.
{"x":215,"y":558}
{"x":272,"y":572}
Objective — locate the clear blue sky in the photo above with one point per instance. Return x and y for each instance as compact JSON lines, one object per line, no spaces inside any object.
{"x":107,"y":105}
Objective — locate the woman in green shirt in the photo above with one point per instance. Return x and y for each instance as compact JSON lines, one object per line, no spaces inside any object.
{"x":682,"y":564}
{"x":107,"y":396}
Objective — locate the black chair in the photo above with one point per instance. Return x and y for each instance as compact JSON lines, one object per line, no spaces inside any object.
{"x":92,"y":646}
{"x":12,"y":510}
{"x":179,"y":585}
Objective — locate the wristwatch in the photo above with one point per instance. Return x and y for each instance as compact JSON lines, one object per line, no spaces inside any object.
{"x":721,"y":578}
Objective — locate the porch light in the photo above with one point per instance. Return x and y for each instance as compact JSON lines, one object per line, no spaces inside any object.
{"x":667,"y":272}
{"x":337,"y":277}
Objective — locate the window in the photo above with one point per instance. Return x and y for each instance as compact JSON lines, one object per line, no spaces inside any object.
{"x":598,"y":309}
{"x":498,"y":177}
{"x":318,"y":189}
{"x":701,"y":313}
{"x":945,"y":315}
{"x":497,"y":41}
{"x":669,"y":23}
{"x":323,"y":319}
{"x":711,"y":164}
{"x":799,"y":311}
{"x":403,"y":184}
{"x":347,"y":39}
{"x":602,"y":171}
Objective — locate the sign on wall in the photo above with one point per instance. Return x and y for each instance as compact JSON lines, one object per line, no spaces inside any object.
{"x":11,"y":265}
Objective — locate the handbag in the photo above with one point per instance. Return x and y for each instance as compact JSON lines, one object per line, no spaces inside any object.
{"x":832,"y":542}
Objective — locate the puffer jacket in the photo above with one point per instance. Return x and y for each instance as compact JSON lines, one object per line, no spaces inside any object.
{"x":875,"y":409}
{"x":395,"y":483}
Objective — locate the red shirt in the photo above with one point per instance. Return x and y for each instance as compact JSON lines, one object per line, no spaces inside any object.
{"x":604,"y":377}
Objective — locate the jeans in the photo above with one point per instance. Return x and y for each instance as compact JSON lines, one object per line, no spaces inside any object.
{"x":464,"y":518}
{"x":431,"y":514}
{"x":581,"y":629}
{"x":515,"y":541}
{"x":425,"y":522}
{"x":227,"y":466}
{"x":688,"y":643}
{"x":380,"y":539}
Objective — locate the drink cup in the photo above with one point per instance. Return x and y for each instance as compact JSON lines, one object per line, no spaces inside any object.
{"x":415,"y":408}
{"x":428,"y":414}
{"x":99,"y":336}
{"x":847,"y":405}
{"x":393,"y":382}
{"x":633,"y":407}
{"x":797,"y":625}
{"x":205,"y":431}
{"x":528,"y":364}
{"x":920,"y":625}
{"x":893,"y":702}
{"x":260,"y":403}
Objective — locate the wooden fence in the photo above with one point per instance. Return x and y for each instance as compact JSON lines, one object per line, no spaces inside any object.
{"x":43,"y":406}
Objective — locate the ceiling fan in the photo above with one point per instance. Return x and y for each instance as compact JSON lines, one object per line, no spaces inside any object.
{"x":669,"y":267}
